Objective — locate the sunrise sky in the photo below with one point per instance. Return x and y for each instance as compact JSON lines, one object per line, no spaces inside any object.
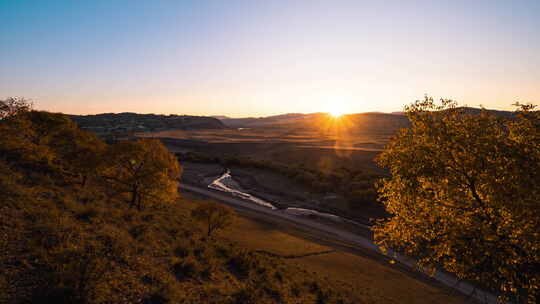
{"x":258,"y":58}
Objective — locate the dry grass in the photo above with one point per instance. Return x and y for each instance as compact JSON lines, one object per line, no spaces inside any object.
{"x":370,"y":281}
{"x":320,"y":150}
{"x":303,"y":138}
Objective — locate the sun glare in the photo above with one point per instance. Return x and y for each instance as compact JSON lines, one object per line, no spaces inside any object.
{"x":336,"y":110}
{"x":336,"y":113}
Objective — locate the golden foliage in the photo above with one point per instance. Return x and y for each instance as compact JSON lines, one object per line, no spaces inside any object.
{"x":464,"y":195}
{"x":143,"y":169}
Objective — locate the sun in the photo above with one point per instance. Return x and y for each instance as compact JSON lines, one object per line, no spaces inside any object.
{"x":337,"y":113}
{"x":336,"y":110}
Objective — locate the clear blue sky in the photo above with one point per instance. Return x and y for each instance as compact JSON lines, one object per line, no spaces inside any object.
{"x":244,"y":58}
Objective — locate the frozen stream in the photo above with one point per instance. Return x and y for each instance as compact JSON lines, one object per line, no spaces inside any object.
{"x":226,"y":183}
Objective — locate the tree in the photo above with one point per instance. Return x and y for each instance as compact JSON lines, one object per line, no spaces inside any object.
{"x":215,"y":216}
{"x":144,"y":170}
{"x":82,"y":153}
{"x":464,"y":195}
{"x":13,"y":128}
{"x":47,"y":125}
{"x":12,"y":106}
{"x":27,"y":137}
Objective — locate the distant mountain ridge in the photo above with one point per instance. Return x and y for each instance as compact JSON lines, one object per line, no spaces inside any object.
{"x":377,"y":122}
{"x":132,"y":122}
{"x":371,"y":122}
{"x":268,"y":120}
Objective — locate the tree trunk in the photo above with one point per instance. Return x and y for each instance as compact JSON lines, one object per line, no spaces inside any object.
{"x":139,"y":202}
{"x":84,"y":179}
{"x":133,"y":197}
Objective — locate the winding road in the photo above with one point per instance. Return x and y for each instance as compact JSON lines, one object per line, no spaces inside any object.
{"x":337,"y":238}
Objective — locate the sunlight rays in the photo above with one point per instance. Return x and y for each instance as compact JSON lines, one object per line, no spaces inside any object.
{"x":336,"y":109}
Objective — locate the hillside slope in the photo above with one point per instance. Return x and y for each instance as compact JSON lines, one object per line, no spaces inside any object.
{"x":69,"y":235}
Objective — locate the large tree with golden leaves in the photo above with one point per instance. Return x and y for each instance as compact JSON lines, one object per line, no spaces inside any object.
{"x":143,"y":170}
{"x":464,"y":195}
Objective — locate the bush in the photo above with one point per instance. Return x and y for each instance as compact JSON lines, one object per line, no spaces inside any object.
{"x":186,"y":269}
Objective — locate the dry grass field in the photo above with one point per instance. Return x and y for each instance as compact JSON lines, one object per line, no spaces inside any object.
{"x":365,"y":279}
{"x":324,"y":150}
{"x":307,"y":138}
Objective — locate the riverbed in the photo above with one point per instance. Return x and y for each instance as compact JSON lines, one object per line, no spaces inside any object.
{"x":227,"y":183}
